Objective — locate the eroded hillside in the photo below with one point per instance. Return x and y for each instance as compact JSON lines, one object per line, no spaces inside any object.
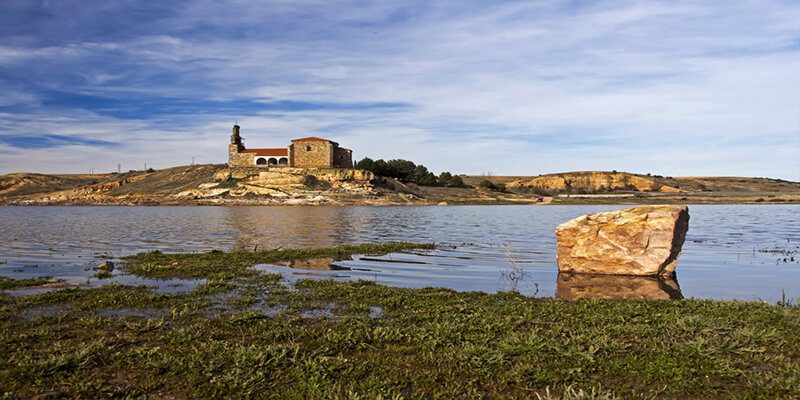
{"x":218,"y":184}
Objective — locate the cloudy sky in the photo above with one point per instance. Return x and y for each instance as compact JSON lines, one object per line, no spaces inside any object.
{"x":680,"y":88}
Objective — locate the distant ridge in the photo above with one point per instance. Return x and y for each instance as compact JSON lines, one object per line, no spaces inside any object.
{"x":599,"y":181}
{"x":173,"y":186}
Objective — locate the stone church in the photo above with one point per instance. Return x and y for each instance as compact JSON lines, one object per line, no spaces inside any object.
{"x":310,"y":152}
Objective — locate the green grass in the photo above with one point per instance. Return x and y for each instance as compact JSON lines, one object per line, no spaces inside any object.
{"x":156,"y":264}
{"x":9,"y":283}
{"x":250,"y":335}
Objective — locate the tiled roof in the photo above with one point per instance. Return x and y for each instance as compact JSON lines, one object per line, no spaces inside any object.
{"x":269,"y":152}
{"x":312,"y":139}
{"x":342,"y":148}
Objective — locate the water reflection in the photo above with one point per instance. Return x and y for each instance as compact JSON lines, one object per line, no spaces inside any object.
{"x":274,"y":227}
{"x":576,"y":286}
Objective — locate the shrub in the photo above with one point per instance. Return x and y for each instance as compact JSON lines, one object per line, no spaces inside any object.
{"x":455,"y":181}
{"x":487,"y":184}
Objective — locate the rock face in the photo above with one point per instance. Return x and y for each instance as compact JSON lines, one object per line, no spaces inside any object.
{"x":634,"y":241}
{"x":595,"y":181}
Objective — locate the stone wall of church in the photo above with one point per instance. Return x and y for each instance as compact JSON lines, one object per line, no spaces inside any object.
{"x":342,"y":158}
{"x":312,"y":154}
{"x":236,"y":159}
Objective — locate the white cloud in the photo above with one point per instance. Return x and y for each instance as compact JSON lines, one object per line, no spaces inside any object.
{"x":495,"y":83}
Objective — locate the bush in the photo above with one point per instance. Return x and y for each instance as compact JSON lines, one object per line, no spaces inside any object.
{"x":455,"y":181}
{"x":487,"y":184}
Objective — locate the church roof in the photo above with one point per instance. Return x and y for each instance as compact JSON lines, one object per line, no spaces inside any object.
{"x":313,"y":139}
{"x":283,"y":152}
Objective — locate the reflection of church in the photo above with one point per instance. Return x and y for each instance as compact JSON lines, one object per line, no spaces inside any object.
{"x":310,"y":152}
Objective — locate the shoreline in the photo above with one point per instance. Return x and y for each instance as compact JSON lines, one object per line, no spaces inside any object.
{"x":399,"y":200}
{"x":330,"y":339}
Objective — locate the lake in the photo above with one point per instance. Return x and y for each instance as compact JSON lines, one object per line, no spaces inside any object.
{"x":745,"y":252}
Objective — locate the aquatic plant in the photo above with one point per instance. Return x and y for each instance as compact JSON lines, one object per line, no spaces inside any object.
{"x":156,"y":264}
{"x":10,"y":283}
{"x":516,"y":274}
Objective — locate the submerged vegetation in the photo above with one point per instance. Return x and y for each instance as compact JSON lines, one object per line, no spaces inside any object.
{"x":156,"y":264}
{"x":243,"y":334}
{"x":8,"y":283}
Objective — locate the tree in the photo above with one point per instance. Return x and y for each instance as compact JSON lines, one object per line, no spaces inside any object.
{"x":407,"y":171}
{"x":423,"y":177}
{"x":366,"y":163}
{"x":455,"y":181}
{"x":400,"y":169}
{"x":445,"y":177}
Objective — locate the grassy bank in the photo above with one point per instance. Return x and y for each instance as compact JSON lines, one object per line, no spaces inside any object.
{"x":243,"y":335}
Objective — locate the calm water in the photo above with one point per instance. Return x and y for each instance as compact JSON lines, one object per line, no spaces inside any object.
{"x":727,"y":255}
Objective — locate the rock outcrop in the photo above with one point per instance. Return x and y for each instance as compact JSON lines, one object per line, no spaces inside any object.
{"x":308,"y":183}
{"x":105,"y":266}
{"x":282,"y":176}
{"x":595,"y":181}
{"x":633,"y":241}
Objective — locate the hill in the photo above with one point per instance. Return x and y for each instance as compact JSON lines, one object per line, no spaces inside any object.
{"x":217,"y":184}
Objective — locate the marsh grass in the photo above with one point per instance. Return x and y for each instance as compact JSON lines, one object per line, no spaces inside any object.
{"x":156,"y":264}
{"x":252,"y":336}
{"x":8,"y":283}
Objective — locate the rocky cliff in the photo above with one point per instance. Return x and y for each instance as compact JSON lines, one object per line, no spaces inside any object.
{"x":190,"y":184}
{"x":285,"y":183}
{"x":596,"y":181}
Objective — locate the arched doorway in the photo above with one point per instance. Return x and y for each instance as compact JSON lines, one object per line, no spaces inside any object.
{"x":273,"y":161}
{"x":261,"y":161}
{"x":283,"y":161}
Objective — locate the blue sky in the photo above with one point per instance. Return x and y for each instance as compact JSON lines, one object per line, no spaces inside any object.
{"x":505,"y":87}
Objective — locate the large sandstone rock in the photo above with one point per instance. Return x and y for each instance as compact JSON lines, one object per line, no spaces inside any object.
{"x":634,"y":241}
{"x":280,"y":178}
{"x":297,"y":175}
{"x":334,"y":174}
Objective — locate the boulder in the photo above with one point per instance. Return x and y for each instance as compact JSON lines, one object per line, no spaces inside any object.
{"x":633,"y":241}
{"x":105,"y":266}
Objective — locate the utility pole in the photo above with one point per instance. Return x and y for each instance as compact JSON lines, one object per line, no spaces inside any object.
{"x":145,"y":166}
{"x":192,"y":160}
{"x":119,"y":168}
